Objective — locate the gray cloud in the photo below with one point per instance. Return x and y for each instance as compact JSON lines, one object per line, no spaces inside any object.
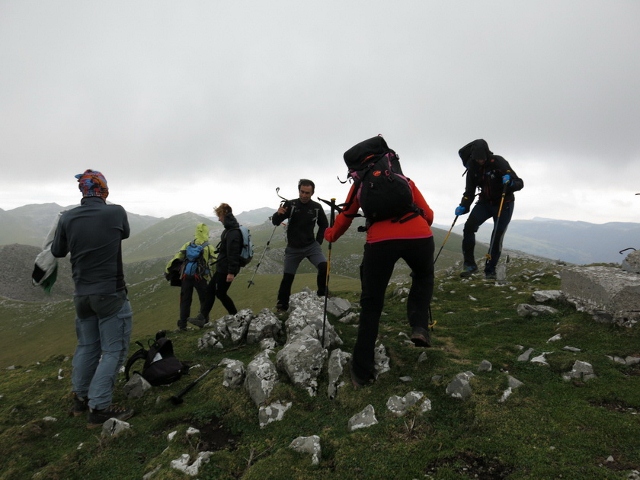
{"x":235,"y":99}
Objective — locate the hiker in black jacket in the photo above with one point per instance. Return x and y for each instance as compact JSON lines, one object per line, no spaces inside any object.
{"x":303,"y":215}
{"x":228,"y":264}
{"x":497,"y":181}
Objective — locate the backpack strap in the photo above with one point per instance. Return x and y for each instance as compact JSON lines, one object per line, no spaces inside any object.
{"x":140,"y":354}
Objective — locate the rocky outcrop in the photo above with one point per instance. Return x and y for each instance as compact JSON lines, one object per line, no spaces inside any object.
{"x":610,"y":294}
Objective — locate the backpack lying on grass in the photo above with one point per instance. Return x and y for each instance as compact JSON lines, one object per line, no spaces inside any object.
{"x":161,"y":367}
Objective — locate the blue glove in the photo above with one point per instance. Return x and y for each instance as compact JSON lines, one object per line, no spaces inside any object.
{"x":460,"y":210}
{"x":506,"y":180}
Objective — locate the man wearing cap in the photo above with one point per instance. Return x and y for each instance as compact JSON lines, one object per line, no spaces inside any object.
{"x":93,"y":234}
{"x":496,"y":180}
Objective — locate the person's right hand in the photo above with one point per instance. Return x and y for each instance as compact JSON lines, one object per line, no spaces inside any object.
{"x":460,"y":210}
{"x":282,"y":210}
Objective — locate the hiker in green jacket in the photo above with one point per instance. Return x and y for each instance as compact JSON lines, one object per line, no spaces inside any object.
{"x":196,"y":259}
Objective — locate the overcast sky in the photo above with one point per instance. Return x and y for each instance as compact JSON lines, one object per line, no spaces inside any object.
{"x":183,"y":105}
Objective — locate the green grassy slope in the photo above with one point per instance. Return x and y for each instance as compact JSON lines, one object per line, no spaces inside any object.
{"x":548,"y":428}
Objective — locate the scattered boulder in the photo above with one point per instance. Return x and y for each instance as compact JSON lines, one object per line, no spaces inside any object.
{"x":631,"y":263}
{"x":307,"y":313}
{"x":524,"y":357}
{"x":460,"y":387}
{"x":136,"y":386}
{"x":400,"y":405}
{"x":234,"y":373}
{"x":209,"y":340}
{"x":114,"y":427}
{"x":272,"y":413}
{"x":302,"y":360}
{"x":335,"y":368}
{"x":366,"y":418}
{"x":183,"y":463}
{"x":609,"y":294}
{"x":264,"y":326}
{"x":381,"y":360}
{"x":526,"y":310}
{"x":580,"y":371}
{"x":337,"y":306}
{"x":261,"y":377}
{"x":542,"y":296}
{"x":485,"y":366}
{"x":309,"y":445}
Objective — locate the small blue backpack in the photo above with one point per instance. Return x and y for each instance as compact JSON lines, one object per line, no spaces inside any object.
{"x":195,"y":264}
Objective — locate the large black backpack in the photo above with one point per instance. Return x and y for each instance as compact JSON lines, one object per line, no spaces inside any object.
{"x":161,"y":367}
{"x":382,"y":190}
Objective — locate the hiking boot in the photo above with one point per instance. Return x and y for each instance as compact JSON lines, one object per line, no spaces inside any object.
{"x":281,"y":308}
{"x":420,"y":337}
{"x":80,"y":405}
{"x":468,"y":271}
{"x":199,"y":321}
{"x":358,"y":382}
{"x":490,"y":276}
{"x":321,"y":293}
{"x":182,"y":325}
{"x":96,"y":418}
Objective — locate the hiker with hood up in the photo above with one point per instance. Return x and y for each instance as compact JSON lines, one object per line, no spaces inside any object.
{"x":228,"y":264}
{"x":497,"y":181}
{"x":198,"y":280}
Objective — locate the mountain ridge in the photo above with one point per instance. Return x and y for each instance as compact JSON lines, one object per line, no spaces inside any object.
{"x":571,"y":241}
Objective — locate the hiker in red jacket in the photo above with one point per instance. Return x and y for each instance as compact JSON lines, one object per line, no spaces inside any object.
{"x":388,"y":241}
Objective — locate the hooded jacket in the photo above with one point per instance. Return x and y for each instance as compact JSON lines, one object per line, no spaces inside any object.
{"x":487,"y":177}
{"x":209,"y":255}
{"x":229,"y":247}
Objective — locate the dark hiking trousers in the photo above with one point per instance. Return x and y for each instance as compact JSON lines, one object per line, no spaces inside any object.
{"x":481,"y":212}
{"x":186,"y":296}
{"x":377,"y":267}
{"x":218,"y":288}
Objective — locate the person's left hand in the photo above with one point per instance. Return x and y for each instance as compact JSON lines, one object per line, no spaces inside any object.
{"x":230,"y":277}
{"x":506,"y":180}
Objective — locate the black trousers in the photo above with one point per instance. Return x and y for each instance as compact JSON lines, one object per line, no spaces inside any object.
{"x":218,"y":287}
{"x":377,"y":268}
{"x":186,"y":296}
{"x":482,"y":212}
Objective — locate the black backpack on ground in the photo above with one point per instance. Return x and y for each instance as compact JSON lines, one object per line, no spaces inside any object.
{"x":382,"y":190}
{"x":161,"y":367}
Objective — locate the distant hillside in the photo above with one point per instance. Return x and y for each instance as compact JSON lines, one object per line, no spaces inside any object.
{"x":29,"y":225}
{"x":573,"y":242}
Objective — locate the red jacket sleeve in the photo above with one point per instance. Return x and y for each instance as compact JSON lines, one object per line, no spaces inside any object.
{"x":344,"y":219}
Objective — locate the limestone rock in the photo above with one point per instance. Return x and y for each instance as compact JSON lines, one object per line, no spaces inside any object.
{"x":309,"y":445}
{"x":366,"y":418}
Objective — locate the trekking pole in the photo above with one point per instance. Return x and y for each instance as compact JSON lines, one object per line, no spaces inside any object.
{"x":268,"y":242}
{"x":177,"y":399}
{"x":262,"y":256}
{"x":446,"y":238}
{"x":333,"y":206}
{"x":495,"y":228}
